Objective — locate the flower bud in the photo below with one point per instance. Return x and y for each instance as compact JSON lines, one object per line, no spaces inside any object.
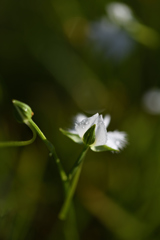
{"x":23,"y":111}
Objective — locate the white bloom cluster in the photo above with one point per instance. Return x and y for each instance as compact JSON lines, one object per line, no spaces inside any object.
{"x":104,"y":140}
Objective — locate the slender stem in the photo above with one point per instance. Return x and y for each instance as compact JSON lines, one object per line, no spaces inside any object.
{"x":75,"y":175}
{"x":52,"y":153}
{"x":39,"y":132}
{"x":20,"y":143}
{"x":77,"y":163}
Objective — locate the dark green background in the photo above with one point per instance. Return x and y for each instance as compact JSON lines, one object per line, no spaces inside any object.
{"x":47,"y":61}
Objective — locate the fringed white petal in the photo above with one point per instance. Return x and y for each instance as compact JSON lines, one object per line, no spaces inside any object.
{"x":107,"y":120}
{"x":116,"y":140}
{"x":79,"y":118}
{"x":85,"y":124}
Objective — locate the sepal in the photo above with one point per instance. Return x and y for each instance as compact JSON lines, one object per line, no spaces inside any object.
{"x":89,"y":136}
{"x":75,"y":137}
{"x":103,"y":148}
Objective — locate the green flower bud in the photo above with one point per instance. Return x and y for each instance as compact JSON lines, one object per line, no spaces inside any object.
{"x":22,"y":111}
{"x":89,"y":136}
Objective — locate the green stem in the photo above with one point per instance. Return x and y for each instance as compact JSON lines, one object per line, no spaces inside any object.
{"x":20,"y":143}
{"x":77,"y":163}
{"x":75,"y":173}
{"x":52,"y":152}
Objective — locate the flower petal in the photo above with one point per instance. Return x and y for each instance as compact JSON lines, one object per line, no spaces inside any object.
{"x":79,"y":118}
{"x":101,"y":133}
{"x":85,"y":124}
{"x":71,"y":135}
{"x":116,"y":140}
{"x":107,"y":120}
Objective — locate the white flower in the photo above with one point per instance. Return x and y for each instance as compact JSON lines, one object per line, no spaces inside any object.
{"x":103,"y":140}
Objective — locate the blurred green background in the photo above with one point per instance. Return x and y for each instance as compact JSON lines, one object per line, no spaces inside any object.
{"x":67,"y":57}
